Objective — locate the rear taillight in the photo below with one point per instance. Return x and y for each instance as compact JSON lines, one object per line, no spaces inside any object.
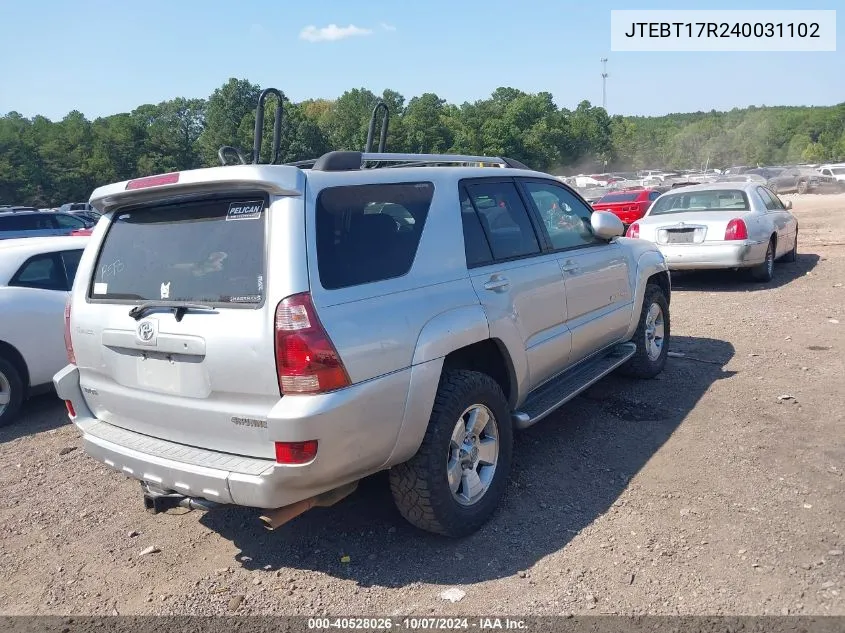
{"x":736,"y":230}
{"x":71,"y":357}
{"x":71,"y":412}
{"x":633,"y":231}
{"x":306,"y":359}
{"x":296,"y":452}
{"x":153,"y":181}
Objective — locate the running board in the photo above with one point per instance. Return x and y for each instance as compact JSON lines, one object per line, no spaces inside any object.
{"x":558,"y":391}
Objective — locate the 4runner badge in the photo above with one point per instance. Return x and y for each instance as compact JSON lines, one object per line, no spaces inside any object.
{"x":147,"y":332}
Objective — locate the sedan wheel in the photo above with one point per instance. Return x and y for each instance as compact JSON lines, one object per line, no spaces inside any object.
{"x":764,"y":271}
{"x":11,"y":392}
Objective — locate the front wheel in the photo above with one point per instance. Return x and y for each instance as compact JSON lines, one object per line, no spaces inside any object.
{"x":651,"y":337}
{"x":454,"y":483}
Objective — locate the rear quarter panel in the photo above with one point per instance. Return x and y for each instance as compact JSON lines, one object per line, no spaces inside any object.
{"x":33,"y":323}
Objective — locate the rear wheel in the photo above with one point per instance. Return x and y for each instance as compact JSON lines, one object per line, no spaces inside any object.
{"x":454,"y":483}
{"x":792,"y":255}
{"x":651,"y":337}
{"x":11,"y":391}
{"x":766,"y":270}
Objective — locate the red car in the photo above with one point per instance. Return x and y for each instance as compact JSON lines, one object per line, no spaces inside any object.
{"x":628,"y":205}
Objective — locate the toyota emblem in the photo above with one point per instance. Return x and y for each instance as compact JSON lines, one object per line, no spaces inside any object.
{"x":146,"y":331}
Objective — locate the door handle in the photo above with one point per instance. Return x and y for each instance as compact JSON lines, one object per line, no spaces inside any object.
{"x":497,"y":284}
{"x":570,"y":267}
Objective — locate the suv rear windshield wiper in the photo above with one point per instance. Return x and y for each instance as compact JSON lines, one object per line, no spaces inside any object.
{"x":179,"y":309}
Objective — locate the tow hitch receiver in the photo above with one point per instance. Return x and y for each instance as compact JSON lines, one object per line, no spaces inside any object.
{"x":278,"y":517}
{"x":156,"y":501}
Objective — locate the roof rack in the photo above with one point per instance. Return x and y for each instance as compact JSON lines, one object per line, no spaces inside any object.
{"x":352,"y":160}
{"x":349,"y":161}
{"x":259,"y":132}
{"x":382,"y":142}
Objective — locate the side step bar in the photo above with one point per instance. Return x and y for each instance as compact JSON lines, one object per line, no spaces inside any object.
{"x":560,"y":390}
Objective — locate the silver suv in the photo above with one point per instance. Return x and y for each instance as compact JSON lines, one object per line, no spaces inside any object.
{"x":268,"y":335}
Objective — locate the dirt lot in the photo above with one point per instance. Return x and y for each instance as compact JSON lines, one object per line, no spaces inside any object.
{"x":700,"y":492}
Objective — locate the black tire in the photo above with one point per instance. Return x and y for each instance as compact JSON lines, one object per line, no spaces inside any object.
{"x":12,"y":387}
{"x":792,"y":255}
{"x":764,"y":272}
{"x":642,"y":364}
{"x":420,"y":486}
{"x":802,"y":186}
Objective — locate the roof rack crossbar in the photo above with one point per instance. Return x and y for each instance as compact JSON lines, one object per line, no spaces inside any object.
{"x":382,"y":143}
{"x":277,"y":126}
{"x":432,"y":158}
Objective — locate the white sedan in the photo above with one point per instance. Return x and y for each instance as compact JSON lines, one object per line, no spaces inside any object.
{"x":36,"y":274}
{"x":742,"y":225}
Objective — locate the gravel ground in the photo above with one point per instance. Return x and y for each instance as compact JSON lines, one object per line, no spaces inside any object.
{"x":704,"y":491}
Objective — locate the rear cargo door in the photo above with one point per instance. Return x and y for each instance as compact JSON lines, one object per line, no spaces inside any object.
{"x":204,"y":375}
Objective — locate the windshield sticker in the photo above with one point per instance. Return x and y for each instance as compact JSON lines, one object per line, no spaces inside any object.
{"x":260,"y":283}
{"x":165,"y":290}
{"x":246,"y":299}
{"x":245,"y":210}
{"x":101,"y":288}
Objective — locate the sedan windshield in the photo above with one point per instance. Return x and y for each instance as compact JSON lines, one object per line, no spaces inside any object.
{"x":710,"y":200}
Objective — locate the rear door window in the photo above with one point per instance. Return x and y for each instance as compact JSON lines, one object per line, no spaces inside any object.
{"x":25,"y":222}
{"x":207,"y":251}
{"x":369,"y":233}
{"x":41,"y":271}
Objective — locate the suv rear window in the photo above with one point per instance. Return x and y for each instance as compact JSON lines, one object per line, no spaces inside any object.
{"x":209,"y":251}
{"x":368,"y":233}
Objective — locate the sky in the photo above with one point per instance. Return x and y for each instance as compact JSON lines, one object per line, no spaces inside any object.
{"x":102,"y":57}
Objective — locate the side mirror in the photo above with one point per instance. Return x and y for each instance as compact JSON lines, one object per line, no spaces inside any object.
{"x":606,"y":226}
{"x":788,"y":204}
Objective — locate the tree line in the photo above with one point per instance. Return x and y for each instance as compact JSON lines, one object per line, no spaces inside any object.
{"x":45,"y":163}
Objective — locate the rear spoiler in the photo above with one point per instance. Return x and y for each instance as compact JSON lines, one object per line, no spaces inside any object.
{"x":274,"y":180}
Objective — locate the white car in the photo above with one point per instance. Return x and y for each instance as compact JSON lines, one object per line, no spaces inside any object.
{"x":835,"y":171}
{"x":741,"y":225}
{"x":36,"y":275}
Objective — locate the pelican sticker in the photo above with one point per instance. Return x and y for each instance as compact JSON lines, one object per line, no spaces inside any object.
{"x":250,"y":210}
{"x":147,"y":332}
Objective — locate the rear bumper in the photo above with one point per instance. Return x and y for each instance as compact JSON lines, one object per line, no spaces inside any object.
{"x":714,"y":255}
{"x":355,"y":439}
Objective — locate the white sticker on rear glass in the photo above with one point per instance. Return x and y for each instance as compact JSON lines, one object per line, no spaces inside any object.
{"x":250,"y":210}
{"x":165,"y":290}
{"x":101,"y":288}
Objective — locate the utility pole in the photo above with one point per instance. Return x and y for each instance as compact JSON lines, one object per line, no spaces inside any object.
{"x":604,"y":82}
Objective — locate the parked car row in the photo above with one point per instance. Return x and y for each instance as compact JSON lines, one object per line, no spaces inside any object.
{"x":20,"y":223}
